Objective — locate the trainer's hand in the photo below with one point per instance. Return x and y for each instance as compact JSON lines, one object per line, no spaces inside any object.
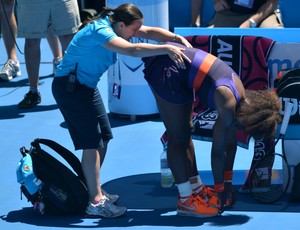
{"x":176,"y":54}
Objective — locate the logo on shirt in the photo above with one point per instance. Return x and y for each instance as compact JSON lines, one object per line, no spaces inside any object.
{"x":109,"y":30}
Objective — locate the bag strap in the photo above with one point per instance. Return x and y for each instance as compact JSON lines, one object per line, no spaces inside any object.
{"x":62,"y":151}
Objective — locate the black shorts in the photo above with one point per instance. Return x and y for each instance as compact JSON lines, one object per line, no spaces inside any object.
{"x":167,"y":80}
{"x":84,"y":113}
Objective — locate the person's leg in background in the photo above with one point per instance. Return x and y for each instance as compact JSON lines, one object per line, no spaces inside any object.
{"x":11,"y":68}
{"x":65,"y":21}
{"x":55,"y":47}
{"x":32,"y":60}
{"x":227,"y":19}
{"x":32,"y":13}
{"x":196,"y":6}
{"x":273,"y":21}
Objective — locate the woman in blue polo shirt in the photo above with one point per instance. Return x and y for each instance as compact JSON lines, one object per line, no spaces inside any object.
{"x":90,"y":53}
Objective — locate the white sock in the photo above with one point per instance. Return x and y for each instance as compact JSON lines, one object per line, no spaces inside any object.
{"x":185,"y":190}
{"x":33,"y":89}
{"x":196,"y":183}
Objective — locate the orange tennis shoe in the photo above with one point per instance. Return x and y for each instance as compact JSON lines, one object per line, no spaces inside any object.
{"x":209,"y":195}
{"x":195,"y":206}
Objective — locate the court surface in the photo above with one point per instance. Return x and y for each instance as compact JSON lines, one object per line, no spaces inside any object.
{"x":131,"y":168}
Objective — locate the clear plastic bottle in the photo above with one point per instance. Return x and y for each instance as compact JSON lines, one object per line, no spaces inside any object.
{"x":165,"y":171}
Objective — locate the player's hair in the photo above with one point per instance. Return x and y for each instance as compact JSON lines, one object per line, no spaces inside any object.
{"x":259,"y":113}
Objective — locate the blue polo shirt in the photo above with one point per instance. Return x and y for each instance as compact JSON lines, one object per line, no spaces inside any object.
{"x":87,"y":50}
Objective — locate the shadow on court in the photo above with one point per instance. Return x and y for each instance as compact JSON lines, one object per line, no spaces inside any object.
{"x":150,"y":205}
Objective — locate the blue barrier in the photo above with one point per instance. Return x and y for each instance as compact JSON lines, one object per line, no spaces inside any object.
{"x":279,"y":35}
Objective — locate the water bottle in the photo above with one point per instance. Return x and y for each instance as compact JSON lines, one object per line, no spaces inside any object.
{"x":165,"y":171}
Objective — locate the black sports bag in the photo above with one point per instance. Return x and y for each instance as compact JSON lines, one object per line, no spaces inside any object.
{"x":62,"y":190}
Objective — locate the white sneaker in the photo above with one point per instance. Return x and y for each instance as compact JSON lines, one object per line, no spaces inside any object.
{"x":105,"y":209}
{"x":10,"y":70}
